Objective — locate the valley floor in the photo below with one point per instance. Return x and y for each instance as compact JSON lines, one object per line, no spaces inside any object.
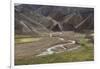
{"x":28,"y":49}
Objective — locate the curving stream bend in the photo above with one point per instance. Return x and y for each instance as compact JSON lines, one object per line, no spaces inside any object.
{"x":52,"y":49}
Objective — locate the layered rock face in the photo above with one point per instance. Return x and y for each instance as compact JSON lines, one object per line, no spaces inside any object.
{"x":36,"y":19}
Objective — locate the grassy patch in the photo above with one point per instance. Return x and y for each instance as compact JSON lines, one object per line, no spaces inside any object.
{"x":61,"y":57}
{"x":26,"y":40}
{"x":85,"y":54}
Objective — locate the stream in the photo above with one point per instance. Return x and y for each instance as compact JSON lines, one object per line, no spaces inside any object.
{"x":52,"y":49}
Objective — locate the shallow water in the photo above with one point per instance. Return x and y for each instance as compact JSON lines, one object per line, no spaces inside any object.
{"x":50,"y":50}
